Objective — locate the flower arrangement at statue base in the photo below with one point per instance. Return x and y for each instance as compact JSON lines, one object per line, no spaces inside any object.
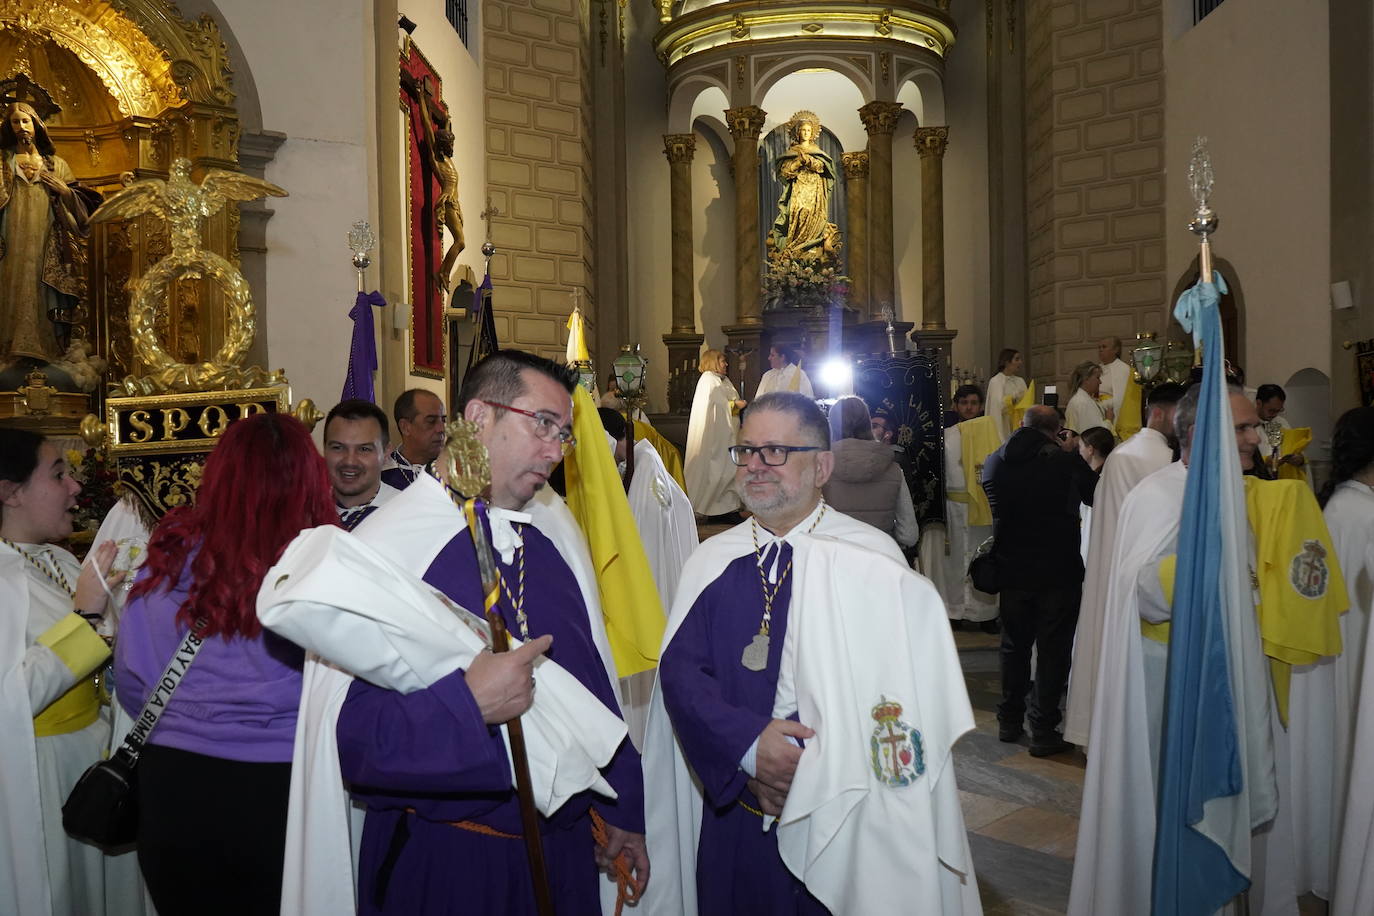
{"x":99,"y":482}
{"x":800,"y":283}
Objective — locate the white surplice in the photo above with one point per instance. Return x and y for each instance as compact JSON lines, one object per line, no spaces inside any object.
{"x":945,"y":554}
{"x":1128,"y":464}
{"x":708,"y":470}
{"x":1350,"y":517}
{"x":790,"y":377}
{"x":839,"y":552}
{"x":1083,"y":413}
{"x":1116,"y":377}
{"x":42,"y":870}
{"x":1001,"y":387}
{"x":668,"y":530}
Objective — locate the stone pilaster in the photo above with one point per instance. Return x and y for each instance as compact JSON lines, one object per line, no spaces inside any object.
{"x":856,"y":198}
{"x":745,"y":123}
{"x":678,"y":148}
{"x":880,"y":120}
{"x":931,"y":143}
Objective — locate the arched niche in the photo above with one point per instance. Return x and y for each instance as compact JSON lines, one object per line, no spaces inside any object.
{"x":708,"y":113}
{"x":693,"y":97}
{"x":138,"y":85}
{"x":922,"y":92}
{"x":840,"y":75}
{"x":833,"y":95}
{"x":1232,"y":311}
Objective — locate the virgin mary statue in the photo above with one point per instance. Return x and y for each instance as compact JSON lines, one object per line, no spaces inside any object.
{"x":800,"y":229}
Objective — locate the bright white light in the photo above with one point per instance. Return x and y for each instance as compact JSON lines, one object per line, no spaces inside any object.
{"x":837,"y":375}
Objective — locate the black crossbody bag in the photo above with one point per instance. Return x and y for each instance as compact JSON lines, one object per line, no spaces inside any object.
{"x":102,"y":808}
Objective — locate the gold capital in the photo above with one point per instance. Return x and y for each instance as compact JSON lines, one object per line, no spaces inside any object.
{"x":855,"y":164}
{"x":932,"y":141}
{"x":745,"y":122}
{"x":679,"y":147}
{"x":880,"y":117}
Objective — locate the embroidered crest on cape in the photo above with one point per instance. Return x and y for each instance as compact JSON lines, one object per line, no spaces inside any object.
{"x":1308,"y":572}
{"x":895,"y":750}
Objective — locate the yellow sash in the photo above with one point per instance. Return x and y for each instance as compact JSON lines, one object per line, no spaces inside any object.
{"x":1302,"y":592}
{"x":71,"y":712}
{"x":978,"y":439}
{"x":1016,"y":410}
{"x":1127,"y":422}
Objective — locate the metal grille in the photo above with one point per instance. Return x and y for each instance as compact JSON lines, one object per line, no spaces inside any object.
{"x":1200,"y":9}
{"x":457,"y":13}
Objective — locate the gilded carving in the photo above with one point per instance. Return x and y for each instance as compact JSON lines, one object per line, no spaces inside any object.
{"x":932,"y":141}
{"x":182,"y":206}
{"x":880,"y":117}
{"x":745,"y":122}
{"x":885,"y":65}
{"x":883,"y":26}
{"x":855,"y":164}
{"x":741,"y":29}
{"x":739,"y":71}
{"x":679,"y":148}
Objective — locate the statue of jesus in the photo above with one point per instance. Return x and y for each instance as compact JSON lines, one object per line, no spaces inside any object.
{"x":801,"y":229}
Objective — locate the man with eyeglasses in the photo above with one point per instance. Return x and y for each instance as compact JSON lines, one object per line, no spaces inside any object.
{"x":443,"y":823}
{"x":791,"y":636}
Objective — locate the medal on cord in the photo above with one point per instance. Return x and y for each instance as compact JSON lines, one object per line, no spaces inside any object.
{"x":755,"y":655}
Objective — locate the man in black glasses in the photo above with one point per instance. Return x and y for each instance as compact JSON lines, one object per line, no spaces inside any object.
{"x":791,"y":635}
{"x":443,"y":823}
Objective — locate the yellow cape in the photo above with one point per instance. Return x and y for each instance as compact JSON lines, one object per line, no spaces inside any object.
{"x":1294,"y":441}
{"x":978,"y":439}
{"x":672,"y":458}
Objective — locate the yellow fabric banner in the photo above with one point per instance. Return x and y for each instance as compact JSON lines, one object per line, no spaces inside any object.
{"x":672,"y":458}
{"x":1294,"y":441}
{"x":596,"y":496}
{"x":978,"y":439}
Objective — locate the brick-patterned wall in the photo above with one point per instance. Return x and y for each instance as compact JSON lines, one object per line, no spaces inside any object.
{"x":1094,"y":176}
{"x":538,"y":167}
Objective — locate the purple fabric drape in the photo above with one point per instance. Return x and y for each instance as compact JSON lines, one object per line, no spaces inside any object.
{"x":362,"y":353}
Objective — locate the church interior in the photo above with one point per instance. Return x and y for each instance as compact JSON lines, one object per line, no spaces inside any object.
{"x":924,"y":180}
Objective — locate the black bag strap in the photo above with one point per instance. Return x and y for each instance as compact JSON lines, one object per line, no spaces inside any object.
{"x":162,"y":694}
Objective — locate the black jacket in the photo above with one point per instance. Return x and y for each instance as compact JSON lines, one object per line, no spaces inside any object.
{"x":1035,"y":488}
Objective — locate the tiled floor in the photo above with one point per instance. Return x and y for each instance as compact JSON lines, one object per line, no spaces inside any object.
{"x":1021,"y":812}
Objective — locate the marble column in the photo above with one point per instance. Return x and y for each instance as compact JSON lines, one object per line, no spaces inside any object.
{"x":745,"y":123}
{"x":856,"y":198}
{"x":931,"y":143}
{"x":678,"y":148}
{"x":880,"y":120}
{"x":683,"y":341}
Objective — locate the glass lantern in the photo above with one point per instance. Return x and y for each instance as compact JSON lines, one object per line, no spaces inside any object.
{"x":1147,"y":358}
{"x":629,"y":369}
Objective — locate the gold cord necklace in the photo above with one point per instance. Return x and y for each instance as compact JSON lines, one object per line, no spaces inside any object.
{"x":517,"y":601}
{"x":49,"y":569}
{"x":755,"y":655}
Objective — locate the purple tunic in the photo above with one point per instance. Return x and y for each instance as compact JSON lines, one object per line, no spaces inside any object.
{"x":424,"y":760}
{"x":718,"y":707}
{"x":240,"y":697}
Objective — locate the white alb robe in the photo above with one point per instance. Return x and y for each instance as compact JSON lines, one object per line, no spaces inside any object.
{"x":1350,"y":517}
{"x":1112,"y":865}
{"x":830,"y":801}
{"x":1001,"y":387}
{"x":1128,"y":464}
{"x":790,"y":377}
{"x":1116,"y":377}
{"x":945,"y":554}
{"x":42,"y":870}
{"x":709,"y":472}
{"x":1084,"y":412}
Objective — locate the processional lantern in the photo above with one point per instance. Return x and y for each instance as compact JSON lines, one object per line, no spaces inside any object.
{"x":630,"y":368}
{"x":361,"y":241}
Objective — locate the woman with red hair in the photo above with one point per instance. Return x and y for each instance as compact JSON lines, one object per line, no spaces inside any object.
{"x":214,"y":777}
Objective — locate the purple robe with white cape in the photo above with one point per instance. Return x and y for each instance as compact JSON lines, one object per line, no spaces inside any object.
{"x":869,"y":826}
{"x":428,"y":750}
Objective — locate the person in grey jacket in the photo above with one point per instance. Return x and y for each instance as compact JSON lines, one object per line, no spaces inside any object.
{"x":867,"y":484}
